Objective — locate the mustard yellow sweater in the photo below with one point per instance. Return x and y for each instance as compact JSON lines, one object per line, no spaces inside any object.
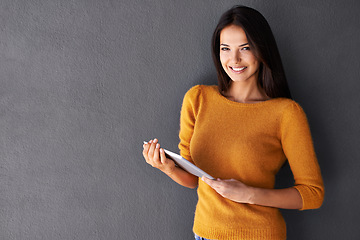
{"x":248,"y":142}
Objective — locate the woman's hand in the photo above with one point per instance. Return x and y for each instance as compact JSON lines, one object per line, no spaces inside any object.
{"x":286,"y":198}
{"x":231,"y":189}
{"x":155,"y":156}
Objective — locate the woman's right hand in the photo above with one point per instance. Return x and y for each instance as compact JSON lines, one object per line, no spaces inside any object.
{"x":155,"y":156}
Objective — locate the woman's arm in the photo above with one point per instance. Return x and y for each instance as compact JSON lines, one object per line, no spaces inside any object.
{"x":155,"y":156}
{"x":287,"y":198}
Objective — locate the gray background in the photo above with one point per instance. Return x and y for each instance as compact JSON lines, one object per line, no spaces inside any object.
{"x":83,"y":83}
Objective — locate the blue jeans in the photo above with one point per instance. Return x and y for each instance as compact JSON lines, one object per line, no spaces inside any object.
{"x":200,"y":238}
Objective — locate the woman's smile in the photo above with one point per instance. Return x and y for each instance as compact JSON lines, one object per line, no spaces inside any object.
{"x":238,"y":69}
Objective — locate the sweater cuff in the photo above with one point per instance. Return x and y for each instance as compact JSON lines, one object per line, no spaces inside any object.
{"x":312,"y":197}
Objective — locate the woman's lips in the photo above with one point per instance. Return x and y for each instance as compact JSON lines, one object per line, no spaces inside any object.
{"x":238,"y":69}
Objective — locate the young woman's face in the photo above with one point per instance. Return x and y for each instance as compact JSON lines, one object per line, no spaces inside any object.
{"x":236,"y":57}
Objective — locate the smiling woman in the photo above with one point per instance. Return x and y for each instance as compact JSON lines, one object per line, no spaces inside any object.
{"x":241,"y":132}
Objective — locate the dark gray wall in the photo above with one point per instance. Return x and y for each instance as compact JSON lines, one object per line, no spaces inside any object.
{"x":83,"y":83}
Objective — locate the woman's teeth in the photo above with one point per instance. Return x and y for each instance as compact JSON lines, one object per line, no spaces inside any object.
{"x":238,"y":69}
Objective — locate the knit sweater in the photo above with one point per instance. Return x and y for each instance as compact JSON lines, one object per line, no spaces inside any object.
{"x":250,"y":143}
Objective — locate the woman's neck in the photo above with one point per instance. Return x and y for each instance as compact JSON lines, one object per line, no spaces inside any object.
{"x":245,"y":92}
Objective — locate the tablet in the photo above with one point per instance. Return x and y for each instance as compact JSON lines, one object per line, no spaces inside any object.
{"x":185,"y":164}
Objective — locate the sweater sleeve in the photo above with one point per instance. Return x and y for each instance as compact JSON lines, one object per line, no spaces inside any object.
{"x":189,"y":110}
{"x":298,"y":147}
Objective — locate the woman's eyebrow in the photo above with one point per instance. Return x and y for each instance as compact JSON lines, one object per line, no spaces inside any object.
{"x":223,"y":44}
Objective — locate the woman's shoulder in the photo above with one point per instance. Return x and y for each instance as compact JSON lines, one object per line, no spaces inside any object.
{"x":285,"y":103}
{"x":202,"y":88}
{"x":288,"y":107}
{"x":198,"y":90}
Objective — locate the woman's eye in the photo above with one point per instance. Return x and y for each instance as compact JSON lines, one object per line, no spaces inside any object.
{"x":245,"y":48}
{"x":225,"y":49}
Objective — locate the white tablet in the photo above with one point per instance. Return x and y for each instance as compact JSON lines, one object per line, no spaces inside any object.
{"x":185,"y":164}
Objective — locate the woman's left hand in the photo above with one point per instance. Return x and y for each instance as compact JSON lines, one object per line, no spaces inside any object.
{"x":231,"y":189}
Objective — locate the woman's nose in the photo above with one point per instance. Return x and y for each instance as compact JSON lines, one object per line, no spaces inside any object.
{"x":236,"y":57}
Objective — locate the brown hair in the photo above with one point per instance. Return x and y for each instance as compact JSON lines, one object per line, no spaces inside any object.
{"x":262,"y":43}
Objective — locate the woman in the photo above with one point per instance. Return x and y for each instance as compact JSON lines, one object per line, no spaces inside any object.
{"x":242,"y":132}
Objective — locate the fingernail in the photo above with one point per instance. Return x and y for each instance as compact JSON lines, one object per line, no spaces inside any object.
{"x":157,"y":145}
{"x":161,"y":150}
{"x":150,"y":141}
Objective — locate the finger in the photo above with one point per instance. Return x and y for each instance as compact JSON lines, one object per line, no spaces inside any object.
{"x":152,"y":149}
{"x":146,"y":146}
{"x":204,"y":178}
{"x":214,"y":183}
{"x":156,"y":157}
{"x":145,"y":151}
{"x":162,"y":156}
{"x":207,"y":181}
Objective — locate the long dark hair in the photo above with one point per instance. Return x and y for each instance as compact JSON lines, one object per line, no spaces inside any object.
{"x":262,"y":43}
